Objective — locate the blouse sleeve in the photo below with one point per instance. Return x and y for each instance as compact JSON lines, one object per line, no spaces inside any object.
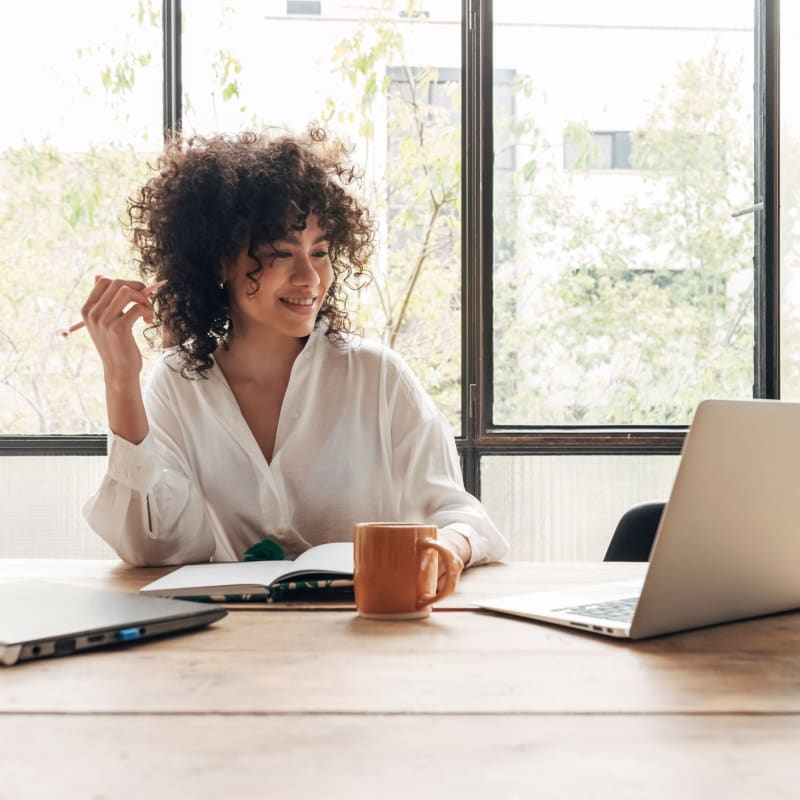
{"x":427,"y":467}
{"x":147,"y":507}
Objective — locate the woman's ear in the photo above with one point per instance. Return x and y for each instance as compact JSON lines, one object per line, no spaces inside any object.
{"x":227,"y":271}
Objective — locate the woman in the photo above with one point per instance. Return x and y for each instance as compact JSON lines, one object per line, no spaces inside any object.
{"x":266,"y":419}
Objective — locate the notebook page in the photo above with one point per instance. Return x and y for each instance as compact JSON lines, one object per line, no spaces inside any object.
{"x":335,"y":557}
{"x":253,"y":574}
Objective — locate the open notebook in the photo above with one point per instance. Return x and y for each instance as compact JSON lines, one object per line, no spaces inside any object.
{"x":324,"y":567}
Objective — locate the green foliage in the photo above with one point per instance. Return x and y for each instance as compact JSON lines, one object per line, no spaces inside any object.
{"x":226,"y":66}
{"x":59,"y":226}
{"x":586,"y":151}
{"x":118,"y":75}
{"x":60,"y":218}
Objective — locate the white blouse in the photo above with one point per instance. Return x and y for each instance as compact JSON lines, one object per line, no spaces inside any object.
{"x":358,"y":440}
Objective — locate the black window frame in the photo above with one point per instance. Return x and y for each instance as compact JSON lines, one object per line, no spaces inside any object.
{"x":480,"y":437}
{"x":483,"y":437}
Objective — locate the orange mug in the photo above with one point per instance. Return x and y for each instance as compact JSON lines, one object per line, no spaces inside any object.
{"x":396,"y":570}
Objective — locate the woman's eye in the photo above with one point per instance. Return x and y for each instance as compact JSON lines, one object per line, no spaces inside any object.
{"x":282,"y":254}
{"x":321,"y":254}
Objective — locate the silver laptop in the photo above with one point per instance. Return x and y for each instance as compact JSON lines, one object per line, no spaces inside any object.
{"x":728,"y":544}
{"x":40,"y":619}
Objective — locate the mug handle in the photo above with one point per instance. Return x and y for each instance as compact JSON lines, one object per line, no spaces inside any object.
{"x":451,"y":562}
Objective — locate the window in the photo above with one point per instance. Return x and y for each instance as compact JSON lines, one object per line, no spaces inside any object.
{"x":628,"y":297}
{"x":597,"y":150}
{"x":303,"y":7}
{"x":83,"y":115}
{"x":79,"y":127}
{"x":561,"y":259}
{"x":405,"y":125}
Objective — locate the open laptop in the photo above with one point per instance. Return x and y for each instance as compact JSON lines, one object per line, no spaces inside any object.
{"x":728,"y":544}
{"x":40,"y":619}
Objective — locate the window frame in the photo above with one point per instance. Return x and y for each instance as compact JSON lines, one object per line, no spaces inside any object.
{"x":480,"y":437}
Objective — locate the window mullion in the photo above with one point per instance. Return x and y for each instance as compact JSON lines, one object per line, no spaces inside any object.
{"x":476,"y":172}
{"x":766,"y":381}
{"x":171,"y":102}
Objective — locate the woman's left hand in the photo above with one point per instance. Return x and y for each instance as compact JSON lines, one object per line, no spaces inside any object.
{"x":459,"y":546}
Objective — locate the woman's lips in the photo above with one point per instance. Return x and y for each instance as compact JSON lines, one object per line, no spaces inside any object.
{"x":299,"y":305}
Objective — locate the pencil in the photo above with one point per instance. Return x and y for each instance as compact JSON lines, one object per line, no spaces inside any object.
{"x":65,"y":333}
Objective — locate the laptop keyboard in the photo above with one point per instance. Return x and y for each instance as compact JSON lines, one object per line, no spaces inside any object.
{"x":620,"y":610}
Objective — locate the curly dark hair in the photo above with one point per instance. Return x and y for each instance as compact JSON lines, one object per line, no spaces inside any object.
{"x":211,"y":197}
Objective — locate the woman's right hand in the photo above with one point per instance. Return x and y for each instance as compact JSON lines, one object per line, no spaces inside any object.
{"x":111,"y":326}
{"x":110,"y":311}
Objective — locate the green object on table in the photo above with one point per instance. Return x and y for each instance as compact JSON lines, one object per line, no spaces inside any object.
{"x":265,"y":550}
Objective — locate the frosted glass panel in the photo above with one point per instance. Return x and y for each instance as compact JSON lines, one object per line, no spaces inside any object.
{"x":550,"y":507}
{"x":42,"y":500}
{"x":554,"y":508}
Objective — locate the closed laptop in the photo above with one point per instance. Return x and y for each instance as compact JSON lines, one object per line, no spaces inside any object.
{"x":39,"y":619}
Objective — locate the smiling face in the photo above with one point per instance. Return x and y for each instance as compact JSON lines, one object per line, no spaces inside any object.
{"x":291,"y":288}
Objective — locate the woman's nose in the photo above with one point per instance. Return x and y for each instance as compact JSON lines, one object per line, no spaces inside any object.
{"x":304,"y":273}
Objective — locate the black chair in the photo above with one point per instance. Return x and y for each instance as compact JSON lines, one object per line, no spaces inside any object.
{"x":635,"y":532}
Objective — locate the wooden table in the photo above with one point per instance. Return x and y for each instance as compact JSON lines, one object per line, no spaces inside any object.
{"x":294,"y":702}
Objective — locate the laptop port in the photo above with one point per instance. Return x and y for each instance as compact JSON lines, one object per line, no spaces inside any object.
{"x":98,"y":637}
{"x":64,"y":646}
